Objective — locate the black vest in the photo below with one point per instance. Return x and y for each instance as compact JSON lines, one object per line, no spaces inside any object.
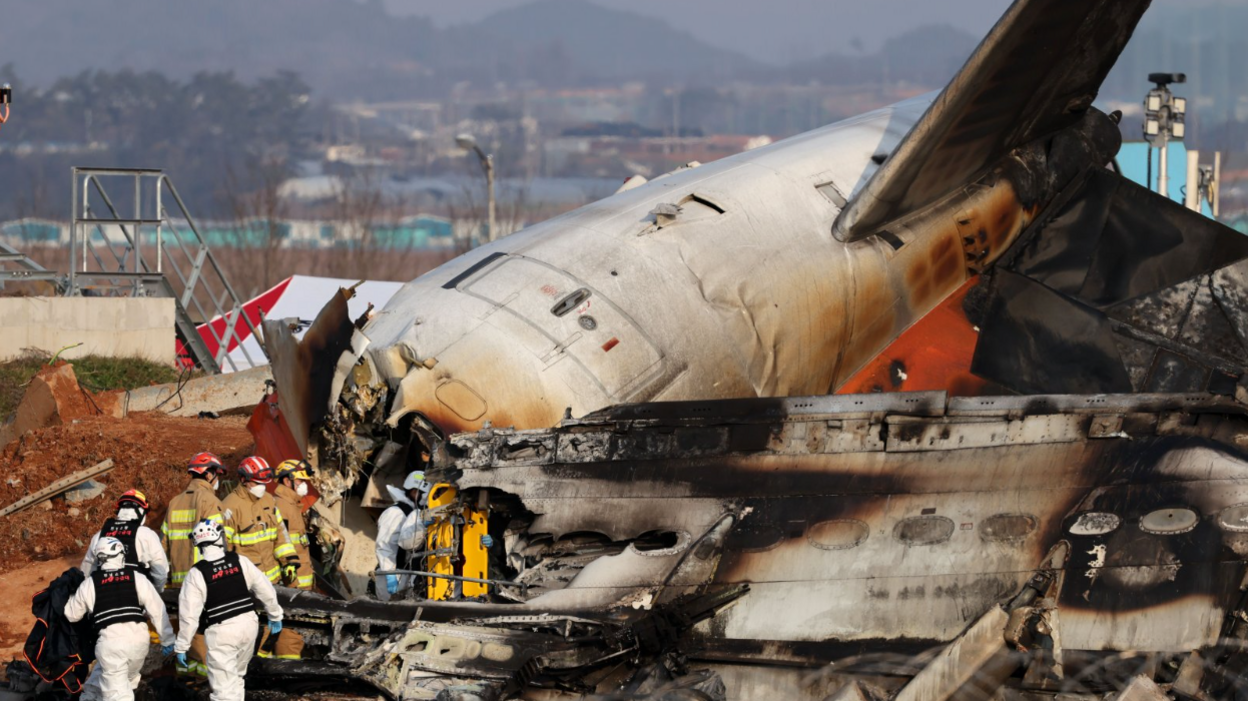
{"x":116,"y":598}
{"x":126,"y":532}
{"x":228,"y":595}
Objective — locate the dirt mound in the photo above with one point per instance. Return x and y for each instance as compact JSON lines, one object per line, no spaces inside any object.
{"x":52,"y":398}
{"x":150,"y":453}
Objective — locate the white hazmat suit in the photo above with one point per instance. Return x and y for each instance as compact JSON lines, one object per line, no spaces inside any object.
{"x":121,"y":647}
{"x":395,"y":531}
{"x":232,"y":642}
{"x":150,"y":553}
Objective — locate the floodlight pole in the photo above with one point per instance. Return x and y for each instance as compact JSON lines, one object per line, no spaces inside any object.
{"x":1164,"y":117}
{"x":468,"y":143}
{"x":1163,"y":180}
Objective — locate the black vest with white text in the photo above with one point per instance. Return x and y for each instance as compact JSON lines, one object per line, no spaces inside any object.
{"x":126,"y":532}
{"x":228,"y":594}
{"x":116,"y":598}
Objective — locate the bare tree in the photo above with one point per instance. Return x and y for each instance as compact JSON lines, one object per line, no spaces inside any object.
{"x":259,"y":215}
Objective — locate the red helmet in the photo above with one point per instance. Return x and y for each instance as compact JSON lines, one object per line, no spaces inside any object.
{"x":203,"y":463}
{"x":133,"y":498}
{"x":255,"y":469}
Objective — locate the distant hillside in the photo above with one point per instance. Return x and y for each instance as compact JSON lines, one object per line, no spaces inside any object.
{"x":927,"y":56}
{"x":348,"y":49}
{"x":605,"y":43}
{"x":338,"y":46}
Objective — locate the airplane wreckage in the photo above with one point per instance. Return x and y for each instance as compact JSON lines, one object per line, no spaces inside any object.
{"x":927,"y":404}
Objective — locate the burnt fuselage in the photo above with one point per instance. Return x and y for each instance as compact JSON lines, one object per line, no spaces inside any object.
{"x":890,"y":517}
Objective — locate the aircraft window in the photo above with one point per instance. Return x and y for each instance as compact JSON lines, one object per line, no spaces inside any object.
{"x":660,"y":543}
{"x":754,"y":537}
{"x":923,"y":530}
{"x":830,"y":191}
{"x":1007,"y":527}
{"x":1234,"y":518}
{"x":570,"y":302}
{"x":838,"y":534}
{"x":1169,"y":521}
{"x":892,"y":239}
{"x":1095,"y":523}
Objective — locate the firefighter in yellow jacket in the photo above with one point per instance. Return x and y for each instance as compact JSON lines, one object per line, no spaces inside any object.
{"x":292,"y":486}
{"x":198,"y":502}
{"x":255,"y":528}
{"x":254,"y":525}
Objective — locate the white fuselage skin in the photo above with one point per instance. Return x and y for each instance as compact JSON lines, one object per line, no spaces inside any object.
{"x":757,"y":300}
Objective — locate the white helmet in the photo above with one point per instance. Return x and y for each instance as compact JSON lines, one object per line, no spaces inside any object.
{"x":107,"y":548}
{"x":207,"y":533}
{"x":415,"y":480}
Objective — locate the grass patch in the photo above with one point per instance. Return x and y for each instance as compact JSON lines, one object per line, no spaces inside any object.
{"x":94,"y":372}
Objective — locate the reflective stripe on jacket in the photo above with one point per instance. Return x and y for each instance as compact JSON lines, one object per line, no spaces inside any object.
{"x":254,"y":528}
{"x":296,"y":527}
{"x":196,"y":503}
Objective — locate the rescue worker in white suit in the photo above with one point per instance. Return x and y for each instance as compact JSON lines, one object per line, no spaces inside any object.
{"x":143,"y":549}
{"x":400,"y":530}
{"x":119,"y":600}
{"x":218,"y":598}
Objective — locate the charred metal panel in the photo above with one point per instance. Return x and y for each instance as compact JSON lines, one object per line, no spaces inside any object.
{"x":1036,"y":341}
{"x":1107,"y":523}
{"x":307,"y":371}
{"x":1111,"y":291}
{"x":898,"y":535}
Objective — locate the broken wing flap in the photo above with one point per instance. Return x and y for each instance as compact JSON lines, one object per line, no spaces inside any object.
{"x":310,"y":372}
{"x":1116,"y":289}
{"x":1036,"y":73}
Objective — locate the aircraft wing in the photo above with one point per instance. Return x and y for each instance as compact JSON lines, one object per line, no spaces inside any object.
{"x":1036,"y":72}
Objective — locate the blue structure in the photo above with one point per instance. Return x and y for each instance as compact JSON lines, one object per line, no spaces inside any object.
{"x":1134,"y":159}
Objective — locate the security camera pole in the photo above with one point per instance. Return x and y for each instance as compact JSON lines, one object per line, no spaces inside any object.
{"x":1164,"y":120}
{"x":468,"y":143}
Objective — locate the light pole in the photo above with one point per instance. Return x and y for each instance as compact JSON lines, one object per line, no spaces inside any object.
{"x":468,"y":143}
{"x":1164,"y":120}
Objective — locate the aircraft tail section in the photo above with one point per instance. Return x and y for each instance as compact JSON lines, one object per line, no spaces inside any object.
{"x":1037,"y":72}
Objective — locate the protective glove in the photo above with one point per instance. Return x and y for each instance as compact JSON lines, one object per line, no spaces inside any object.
{"x":181,"y":659}
{"x":290,"y":573}
{"x":166,"y":650}
{"x":392,"y":583}
{"x":275,"y":627}
{"x":428,"y":522}
{"x":487,"y":541}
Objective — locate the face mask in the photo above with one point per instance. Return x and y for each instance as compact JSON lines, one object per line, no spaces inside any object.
{"x":257,"y":490}
{"x":301,"y":489}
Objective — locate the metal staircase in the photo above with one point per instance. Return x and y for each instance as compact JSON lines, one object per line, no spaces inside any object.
{"x":17,"y":266}
{"x":146,"y":254}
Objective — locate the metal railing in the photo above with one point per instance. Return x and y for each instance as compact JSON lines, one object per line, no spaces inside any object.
{"x":115,"y":255}
{"x":16,"y":266}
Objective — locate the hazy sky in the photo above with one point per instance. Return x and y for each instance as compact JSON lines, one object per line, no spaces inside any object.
{"x":776,"y":31}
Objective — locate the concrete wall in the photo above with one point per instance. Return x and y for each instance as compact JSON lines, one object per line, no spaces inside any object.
{"x":120,"y":327}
